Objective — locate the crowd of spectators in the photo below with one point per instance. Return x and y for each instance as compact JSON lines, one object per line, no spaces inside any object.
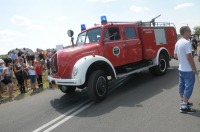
{"x":25,"y":67}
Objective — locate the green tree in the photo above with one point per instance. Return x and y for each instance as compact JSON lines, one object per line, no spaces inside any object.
{"x":197,"y":31}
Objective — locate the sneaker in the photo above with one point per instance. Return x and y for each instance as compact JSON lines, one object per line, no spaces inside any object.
{"x":187,"y":110}
{"x":189,"y":104}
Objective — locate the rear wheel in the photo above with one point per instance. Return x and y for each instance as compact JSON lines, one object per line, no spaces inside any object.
{"x":161,"y":68}
{"x":67,"y":89}
{"x":98,"y":86}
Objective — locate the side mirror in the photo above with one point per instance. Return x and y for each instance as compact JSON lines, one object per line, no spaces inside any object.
{"x":70,"y":33}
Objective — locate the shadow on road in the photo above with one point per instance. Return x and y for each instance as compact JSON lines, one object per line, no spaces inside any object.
{"x":129,"y":93}
{"x":67,"y":101}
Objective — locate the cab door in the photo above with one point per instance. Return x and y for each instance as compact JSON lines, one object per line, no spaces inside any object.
{"x":132,"y":44}
{"x":114,"y":49}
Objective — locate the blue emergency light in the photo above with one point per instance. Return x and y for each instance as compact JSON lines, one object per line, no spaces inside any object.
{"x":83,"y":27}
{"x":103,"y":20}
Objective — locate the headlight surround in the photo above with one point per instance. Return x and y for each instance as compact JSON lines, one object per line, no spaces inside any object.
{"x":75,"y":71}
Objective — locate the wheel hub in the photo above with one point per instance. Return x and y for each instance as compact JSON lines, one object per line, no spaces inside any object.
{"x":101,"y":86}
{"x":162,"y":65}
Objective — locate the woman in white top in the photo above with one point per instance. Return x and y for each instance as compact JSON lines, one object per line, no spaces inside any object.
{"x":32,"y":74}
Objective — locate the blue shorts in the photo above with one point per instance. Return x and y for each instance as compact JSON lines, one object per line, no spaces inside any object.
{"x":186,"y":83}
{"x":33,"y":78}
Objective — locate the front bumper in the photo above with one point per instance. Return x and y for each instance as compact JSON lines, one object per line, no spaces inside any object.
{"x":67,"y":82}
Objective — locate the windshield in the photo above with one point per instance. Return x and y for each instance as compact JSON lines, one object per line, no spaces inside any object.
{"x":90,"y":36}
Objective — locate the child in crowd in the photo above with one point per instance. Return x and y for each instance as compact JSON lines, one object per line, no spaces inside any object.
{"x":38,"y":69}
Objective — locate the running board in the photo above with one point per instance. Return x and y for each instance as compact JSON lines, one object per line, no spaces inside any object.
{"x":135,"y":71}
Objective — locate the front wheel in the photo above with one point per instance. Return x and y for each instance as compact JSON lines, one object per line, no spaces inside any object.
{"x":98,"y":86}
{"x":67,"y":89}
{"x":161,"y":68}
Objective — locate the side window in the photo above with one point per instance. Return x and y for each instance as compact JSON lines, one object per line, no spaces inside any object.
{"x":112,"y":34}
{"x":81,"y":38}
{"x":89,"y":36}
{"x":93,"y":35}
{"x":130,"y":32}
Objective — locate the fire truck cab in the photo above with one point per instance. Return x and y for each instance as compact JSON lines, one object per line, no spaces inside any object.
{"x":111,"y":50}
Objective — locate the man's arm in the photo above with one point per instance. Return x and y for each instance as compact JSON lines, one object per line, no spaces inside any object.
{"x":175,"y":53}
{"x":191,"y":61}
{"x":175,"y":56}
{"x":199,"y":56}
{"x":199,"y":59}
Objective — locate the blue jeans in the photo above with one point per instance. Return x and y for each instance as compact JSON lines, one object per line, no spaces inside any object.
{"x":186,"y":83}
{"x":33,"y":78}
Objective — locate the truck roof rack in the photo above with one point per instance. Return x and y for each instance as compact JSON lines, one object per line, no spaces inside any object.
{"x":155,"y":24}
{"x":116,"y":23}
{"x":120,"y":22}
{"x":145,"y":24}
{"x":151,"y":23}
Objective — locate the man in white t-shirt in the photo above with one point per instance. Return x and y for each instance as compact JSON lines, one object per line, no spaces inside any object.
{"x":187,"y":69}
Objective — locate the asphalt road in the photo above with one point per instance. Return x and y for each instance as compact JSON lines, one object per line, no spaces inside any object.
{"x":138,"y":103}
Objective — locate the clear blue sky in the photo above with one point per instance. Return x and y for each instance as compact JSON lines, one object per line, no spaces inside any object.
{"x":44,"y":23}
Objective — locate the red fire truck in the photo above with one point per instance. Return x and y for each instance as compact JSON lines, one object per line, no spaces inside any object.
{"x":112,"y":50}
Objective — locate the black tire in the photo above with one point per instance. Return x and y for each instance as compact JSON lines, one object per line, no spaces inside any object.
{"x":161,"y":68}
{"x":98,"y":86}
{"x":67,"y":89}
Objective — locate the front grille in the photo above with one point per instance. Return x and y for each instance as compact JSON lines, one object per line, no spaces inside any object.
{"x":54,"y":65}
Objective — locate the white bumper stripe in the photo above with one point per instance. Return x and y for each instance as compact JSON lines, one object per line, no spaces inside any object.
{"x":69,"y":82}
